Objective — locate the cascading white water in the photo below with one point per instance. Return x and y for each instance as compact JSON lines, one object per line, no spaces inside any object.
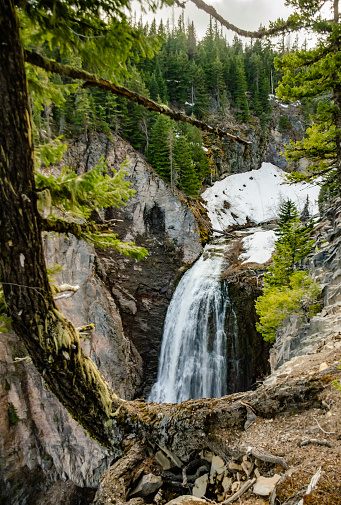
{"x":193,"y":353}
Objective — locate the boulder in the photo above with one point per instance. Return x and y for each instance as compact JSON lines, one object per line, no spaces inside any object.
{"x":265,"y":485}
{"x":163,"y":460}
{"x":217,"y":467}
{"x":147,"y":485}
{"x":200,"y":486}
{"x":227,"y":483}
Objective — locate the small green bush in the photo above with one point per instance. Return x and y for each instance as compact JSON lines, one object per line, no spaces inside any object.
{"x":277,"y":303}
{"x":284,"y":124}
{"x":12,"y":414}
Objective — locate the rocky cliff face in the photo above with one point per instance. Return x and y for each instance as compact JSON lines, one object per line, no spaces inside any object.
{"x":155,"y":218}
{"x":298,"y":339}
{"x":42,"y":447}
{"x":41,"y":443}
{"x":286,"y":123}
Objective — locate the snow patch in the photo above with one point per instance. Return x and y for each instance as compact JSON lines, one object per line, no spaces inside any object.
{"x":258,"y":247}
{"x":255,"y":196}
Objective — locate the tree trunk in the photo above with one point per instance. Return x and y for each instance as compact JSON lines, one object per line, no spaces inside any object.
{"x":337,"y":102}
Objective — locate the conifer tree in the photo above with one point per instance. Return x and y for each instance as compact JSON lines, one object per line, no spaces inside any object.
{"x":286,"y":289}
{"x":188,"y":179}
{"x":240,"y":90}
{"x":311,"y":73}
{"x":160,"y":146}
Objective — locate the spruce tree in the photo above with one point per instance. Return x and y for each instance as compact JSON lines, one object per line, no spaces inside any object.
{"x":311,"y":73}
{"x":160,"y":147}
{"x":188,"y":178}
{"x":240,"y":97}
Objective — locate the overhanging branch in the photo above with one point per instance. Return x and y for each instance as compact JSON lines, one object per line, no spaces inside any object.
{"x":79,"y":230}
{"x":209,"y":9}
{"x":92,"y":80}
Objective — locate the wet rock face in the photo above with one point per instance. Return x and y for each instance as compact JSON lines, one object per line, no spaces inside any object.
{"x":248,"y":355}
{"x":155,"y":219}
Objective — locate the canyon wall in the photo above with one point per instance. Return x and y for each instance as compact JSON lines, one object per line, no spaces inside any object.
{"x":46,"y":457}
{"x":298,"y":338}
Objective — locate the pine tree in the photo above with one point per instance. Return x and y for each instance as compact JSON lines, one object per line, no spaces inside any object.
{"x":287,"y":213}
{"x":188,"y":179}
{"x":191,"y":40}
{"x":240,"y":97}
{"x":287,"y":290}
{"x":160,"y":147}
{"x":292,"y":245}
{"x":311,"y":73}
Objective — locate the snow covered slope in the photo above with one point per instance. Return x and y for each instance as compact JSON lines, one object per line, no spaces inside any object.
{"x":255,"y":196}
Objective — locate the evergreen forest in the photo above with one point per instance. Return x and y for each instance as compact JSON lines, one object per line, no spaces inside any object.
{"x":209,"y":79}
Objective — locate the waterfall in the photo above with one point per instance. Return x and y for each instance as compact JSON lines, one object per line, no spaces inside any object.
{"x":193,"y":353}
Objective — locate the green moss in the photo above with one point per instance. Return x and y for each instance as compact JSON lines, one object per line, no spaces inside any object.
{"x":7,"y":386}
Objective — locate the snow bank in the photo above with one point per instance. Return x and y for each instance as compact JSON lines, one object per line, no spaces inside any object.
{"x":258,"y":247}
{"x":255,"y":196}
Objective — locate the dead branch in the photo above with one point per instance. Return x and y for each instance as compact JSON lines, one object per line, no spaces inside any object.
{"x":86,"y":328}
{"x":315,"y":441}
{"x":269,"y":458}
{"x":225,"y":233}
{"x":66,"y":291}
{"x":92,"y":80}
{"x":324,"y":431}
{"x":25,"y":358}
{"x":241,"y":491}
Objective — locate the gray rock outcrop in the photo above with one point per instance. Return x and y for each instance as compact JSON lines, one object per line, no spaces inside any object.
{"x":42,"y":446}
{"x":155,"y":218}
{"x":297,"y":338}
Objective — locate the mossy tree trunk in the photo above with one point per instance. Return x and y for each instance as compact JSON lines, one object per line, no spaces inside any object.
{"x":337,"y":101}
{"x":50,"y":339}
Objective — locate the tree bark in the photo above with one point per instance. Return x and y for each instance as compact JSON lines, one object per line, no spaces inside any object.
{"x":337,"y":101}
{"x":258,"y":34}
{"x":51,"y":340}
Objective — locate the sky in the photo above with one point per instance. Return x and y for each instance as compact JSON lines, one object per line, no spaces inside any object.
{"x":247,"y":14}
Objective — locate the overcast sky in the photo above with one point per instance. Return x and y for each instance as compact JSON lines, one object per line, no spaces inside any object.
{"x":247,"y":14}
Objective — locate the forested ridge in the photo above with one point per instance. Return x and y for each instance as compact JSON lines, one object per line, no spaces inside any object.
{"x":209,"y":79}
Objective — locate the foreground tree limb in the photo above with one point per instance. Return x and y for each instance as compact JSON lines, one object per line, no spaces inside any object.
{"x":258,"y":34}
{"x":92,"y":80}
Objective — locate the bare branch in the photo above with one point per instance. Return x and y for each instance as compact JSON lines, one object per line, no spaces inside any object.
{"x":209,"y":9}
{"x":76,"y":229}
{"x":241,"y":491}
{"x":92,"y":80}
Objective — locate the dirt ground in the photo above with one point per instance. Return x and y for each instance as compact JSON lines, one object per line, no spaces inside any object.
{"x":283,"y":436}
